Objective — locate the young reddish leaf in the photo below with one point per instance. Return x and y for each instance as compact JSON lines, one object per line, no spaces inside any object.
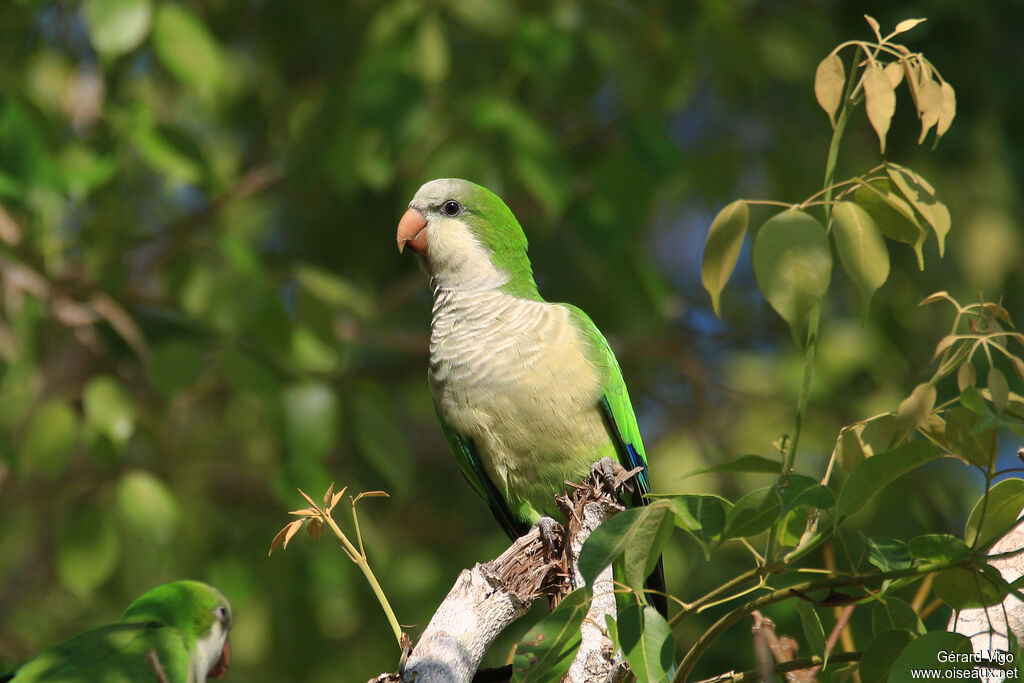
{"x":966,"y":376}
{"x":861,"y":249}
{"x":285,"y":535}
{"x":337,"y":496}
{"x":370,"y":494}
{"x":948,"y":110}
{"x":940,"y":296}
{"x":829,"y":79}
{"x":792,"y":265}
{"x":906,"y":25}
{"x":315,"y":528}
{"x":305,"y":512}
{"x":722,"y":249}
{"x":999,"y":388}
{"x":327,"y":496}
{"x":947,"y":342}
{"x":880,"y":100}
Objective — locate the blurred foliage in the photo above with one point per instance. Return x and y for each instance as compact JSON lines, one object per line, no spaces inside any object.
{"x":202,"y":308}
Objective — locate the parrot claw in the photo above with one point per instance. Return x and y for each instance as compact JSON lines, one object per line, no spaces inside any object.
{"x":551,"y":533}
{"x":613,"y":475}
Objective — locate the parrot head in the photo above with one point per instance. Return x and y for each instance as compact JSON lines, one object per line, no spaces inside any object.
{"x":466,"y":237}
{"x":202,"y":615}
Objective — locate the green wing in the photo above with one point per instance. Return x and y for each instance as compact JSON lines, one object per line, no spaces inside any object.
{"x":615,"y":404}
{"x":110,"y":654}
{"x":473,"y":470}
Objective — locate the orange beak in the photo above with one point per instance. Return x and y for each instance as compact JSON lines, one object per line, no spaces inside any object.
{"x":221,"y":666}
{"x":412,"y":232}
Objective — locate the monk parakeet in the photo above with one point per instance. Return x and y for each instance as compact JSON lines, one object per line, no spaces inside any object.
{"x":179,"y":630}
{"x":529,"y":394}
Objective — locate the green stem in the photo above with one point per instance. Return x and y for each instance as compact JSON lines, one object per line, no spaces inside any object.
{"x":364,"y":566}
{"x":735,"y":582}
{"x":704,"y":642}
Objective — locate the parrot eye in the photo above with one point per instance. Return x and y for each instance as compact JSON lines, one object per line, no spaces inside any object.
{"x":222,"y":613}
{"x":451,"y":208}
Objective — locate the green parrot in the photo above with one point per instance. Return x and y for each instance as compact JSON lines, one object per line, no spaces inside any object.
{"x":528,"y":393}
{"x":178,"y":630}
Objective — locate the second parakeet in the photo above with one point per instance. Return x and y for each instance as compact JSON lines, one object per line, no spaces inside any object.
{"x":177,"y":630}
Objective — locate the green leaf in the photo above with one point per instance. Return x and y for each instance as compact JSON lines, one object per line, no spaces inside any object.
{"x":916,"y":408}
{"x":923,"y":653}
{"x":175,"y":365}
{"x":336,"y":291}
{"x":800,"y":491}
{"x":722,"y":249}
{"x":814,"y":632}
{"x":920,"y":193}
{"x":893,"y":215}
{"x":48,"y":439}
{"x":937,"y":548}
{"x":753,"y":513}
{"x":745,"y":463}
{"x":792,"y":264}
{"x":888,"y":554}
{"x":186,"y":48}
{"x":146,"y":506}
{"x":431,"y":50}
{"x":108,"y":409}
{"x":703,"y":516}
{"x":169,"y":151}
{"x":958,"y":433}
{"x":311,"y":415}
{"x":861,"y":250}
{"x":999,"y":388}
{"x":990,"y":520}
{"x":244,"y":373}
{"x":893,"y":614}
{"x":638,"y":535}
{"x":848,"y":450}
{"x":829,"y":79}
{"x":117,"y":26}
{"x":647,"y":642}
{"x":87,"y":551}
{"x":880,"y":100}
{"x":546,"y":652}
{"x":970,"y":587}
{"x":874,"y":473}
{"x":881,"y":653}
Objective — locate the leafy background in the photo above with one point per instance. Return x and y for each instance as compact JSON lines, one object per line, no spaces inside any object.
{"x":203,"y":309}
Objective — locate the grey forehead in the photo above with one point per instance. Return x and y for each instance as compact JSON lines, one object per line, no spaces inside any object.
{"x":440,"y":189}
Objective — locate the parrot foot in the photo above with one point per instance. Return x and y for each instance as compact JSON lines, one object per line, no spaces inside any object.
{"x":613,"y":475}
{"x":551,"y":533}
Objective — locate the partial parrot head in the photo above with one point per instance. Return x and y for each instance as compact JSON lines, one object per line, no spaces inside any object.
{"x":200,"y":613}
{"x":466,"y":237}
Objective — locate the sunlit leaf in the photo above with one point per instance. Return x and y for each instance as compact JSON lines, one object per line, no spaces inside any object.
{"x":914,"y":410}
{"x":881,"y":653}
{"x":922,"y":653}
{"x":929,"y":104}
{"x":861,"y":249}
{"x":722,"y":249}
{"x":873,"y":474}
{"x":970,"y":587}
{"x":744,"y":463}
{"x":888,"y":554}
{"x":948,"y":111}
{"x":999,"y":388}
{"x":647,"y":642}
{"x":906,"y":25}
{"x":546,"y":652}
{"x":201,"y":63}
{"x":703,"y":516}
{"x":937,"y":548}
{"x":117,"y":26}
{"x":966,"y":376}
{"x":991,"y":519}
{"x":829,"y":79}
{"x":893,"y":614}
{"x":793,"y":265}
{"x":637,"y":535}
{"x":108,"y":409}
{"x":311,"y":415}
{"x":880,"y":100}
{"x":894,"y":216}
{"x":753,"y":513}
{"x":147,"y":506}
{"x":921,"y":195}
